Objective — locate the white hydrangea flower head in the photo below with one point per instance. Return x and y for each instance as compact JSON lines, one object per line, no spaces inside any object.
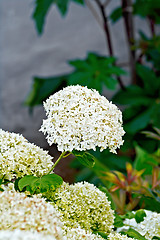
{"x":81,"y":234}
{"x":83,"y":205}
{"x":18,"y":157}
{"x":29,"y":214}
{"x":24,"y":235}
{"x":148,"y":228}
{"x":118,"y":236}
{"x":80,"y":119}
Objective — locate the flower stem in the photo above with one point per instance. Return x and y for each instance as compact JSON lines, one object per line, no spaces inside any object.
{"x":60,"y":157}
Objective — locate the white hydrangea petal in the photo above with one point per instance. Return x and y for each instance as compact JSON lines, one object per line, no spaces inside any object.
{"x":18,"y":157}
{"x":80,"y":118}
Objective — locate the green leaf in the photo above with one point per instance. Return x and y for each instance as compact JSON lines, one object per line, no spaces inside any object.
{"x":40,"y":12}
{"x":42,"y":7}
{"x":150,"y":204}
{"x":110,"y":83}
{"x":116,"y":14}
{"x":118,"y":221}
{"x":50,"y":181}
{"x":149,"y":78}
{"x":42,"y":184}
{"x":78,"y":1}
{"x":43,"y":87}
{"x":144,"y":160}
{"x":94,"y":71}
{"x":62,"y":6}
{"x":156,"y":237}
{"x":134,"y":234}
{"x":132,"y":95}
{"x":139,"y":122}
{"x":85,"y":158}
{"x":148,"y":8}
{"x":140,"y":215}
{"x":26,"y":181}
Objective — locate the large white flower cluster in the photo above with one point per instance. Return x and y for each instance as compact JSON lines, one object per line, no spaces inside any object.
{"x":83,"y":205}
{"x":23,"y":235}
{"x":148,"y":228}
{"x":18,"y":157}
{"x":29,"y":214}
{"x":80,"y":118}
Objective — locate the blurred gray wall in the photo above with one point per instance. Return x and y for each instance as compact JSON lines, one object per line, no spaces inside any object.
{"x":23,"y":54}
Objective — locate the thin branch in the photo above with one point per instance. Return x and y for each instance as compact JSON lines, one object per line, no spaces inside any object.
{"x":108,"y":35}
{"x":129,"y":26}
{"x":105,"y":26}
{"x":152,"y":26}
{"x":94,"y":12}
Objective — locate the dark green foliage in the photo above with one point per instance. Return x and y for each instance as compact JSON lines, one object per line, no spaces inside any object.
{"x":40,"y":184}
{"x":143,"y":8}
{"x":116,"y":14}
{"x":43,"y":87}
{"x":40,"y":12}
{"x":151,"y":203}
{"x":144,"y":160}
{"x":42,"y":7}
{"x":150,"y":48}
{"x":95,"y":71}
{"x":148,"y":8}
{"x":142,"y":104}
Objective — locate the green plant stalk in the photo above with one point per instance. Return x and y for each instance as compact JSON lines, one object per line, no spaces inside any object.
{"x":58,"y":160}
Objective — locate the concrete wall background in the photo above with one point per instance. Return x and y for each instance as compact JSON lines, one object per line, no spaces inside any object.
{"x":23,"y":54}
